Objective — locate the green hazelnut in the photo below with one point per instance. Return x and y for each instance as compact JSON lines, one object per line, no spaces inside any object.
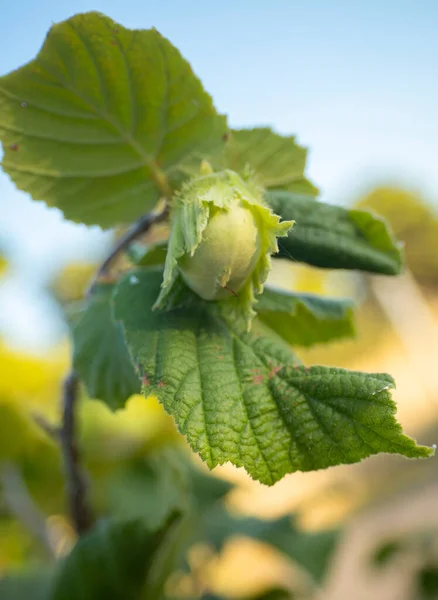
{"x":227,"y":255}
{"x":222,"y":236}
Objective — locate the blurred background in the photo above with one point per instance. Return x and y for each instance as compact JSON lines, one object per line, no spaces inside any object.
{"x":356,"y":82}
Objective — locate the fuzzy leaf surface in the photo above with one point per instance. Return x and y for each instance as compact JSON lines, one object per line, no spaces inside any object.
{"x":99,"y":351}
{"x":277,"y":161}
{"x":306,"y":319}
{"x":242,"y":397}
{"x":335,"y":237}
{"x":103,"y":120}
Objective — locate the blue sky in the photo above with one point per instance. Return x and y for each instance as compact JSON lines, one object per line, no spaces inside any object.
{"x":356,"y":81}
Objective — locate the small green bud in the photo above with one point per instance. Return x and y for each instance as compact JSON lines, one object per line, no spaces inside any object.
{"x":222,"y":236}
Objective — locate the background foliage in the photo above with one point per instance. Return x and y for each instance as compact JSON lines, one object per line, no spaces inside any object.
{"x":103,"y":149}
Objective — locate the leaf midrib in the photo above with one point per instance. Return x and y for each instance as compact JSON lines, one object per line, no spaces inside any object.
{"x":157,"y":174}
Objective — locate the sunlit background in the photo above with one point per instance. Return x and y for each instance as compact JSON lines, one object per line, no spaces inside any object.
{"x":357,"y":83}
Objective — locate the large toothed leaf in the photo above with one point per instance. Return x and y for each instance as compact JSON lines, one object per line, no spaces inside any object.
{"x":243,"y":398}
{"x":335,"y":237}
{"x":306,"y":319}
{"x":277,"y":161}
{"x":99,"y":351}
{"x":102,"y":118}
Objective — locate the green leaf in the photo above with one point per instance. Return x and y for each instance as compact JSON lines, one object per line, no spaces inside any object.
{"x":277,"y":161}
{"x":149,"y":256}
{"x":335,"y":237}
{"x":302,"y":187}
{"x":22,"y":586}
{"x":150,"y":488}
{"x":275,"y":593}
{"x":102,"y":119}
{"x":427,"y":582}
{"x":386,"y":552}
{"x":311,"y":550}
{"x":100,"y":355}
{"x":305,"y":319}
{"x":118,"y":560}
{"x":207,"y":490}
{"x":241,"y":398}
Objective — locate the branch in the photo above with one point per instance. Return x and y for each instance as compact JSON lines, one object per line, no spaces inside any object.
{"x":76,"y":486}
{"x":22,"y":506}
{"x":140,"y":227}
{"x":50,"y":430}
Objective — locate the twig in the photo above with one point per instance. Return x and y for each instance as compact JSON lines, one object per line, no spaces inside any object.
{"x":22,"y":506}
{"x":76,"y":487}
{"x":140,"y":227}
{"x":51,"y":430}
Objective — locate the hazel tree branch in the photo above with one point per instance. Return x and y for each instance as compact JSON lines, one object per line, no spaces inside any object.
{"x":140,"y":227}
{"x":76,"y":484}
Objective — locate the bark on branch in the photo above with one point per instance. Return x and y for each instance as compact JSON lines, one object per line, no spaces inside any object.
{"x":76,"y":482}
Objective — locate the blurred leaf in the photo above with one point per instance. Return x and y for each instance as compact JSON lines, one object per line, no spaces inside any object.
{"x":427,"y":582}
{"x":24,"y":443}
{"x":302,"y":187}
{"x":3,"y":265}
{"x":108,"y":437}
{"x":151,"y":255}
{"x":71,"y":284}
{"x":100,"y":355}
{"x":414,"y":223}
{"x":208,"y":494}
{"x":157,"y":484}
{"x":32,"y":382}
{"x":242,"y":397}
{"x":16,"y":544}
{"x":101,"y":117}
{"x":26,"y":586}
{"x":43,"y":472}
{"x":334,"y":237}
{"x":273,"y":594}
{"x":277,"y":160}
{"x":118,"y":560}
{"x":17,"y":430}
{"x":420,"y":544}
{"x":386,"y":552}
{"x":305,"y":319}
{"x":150,"y":488}
{"x":207,"y":489}
{"x":311,"y":550}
